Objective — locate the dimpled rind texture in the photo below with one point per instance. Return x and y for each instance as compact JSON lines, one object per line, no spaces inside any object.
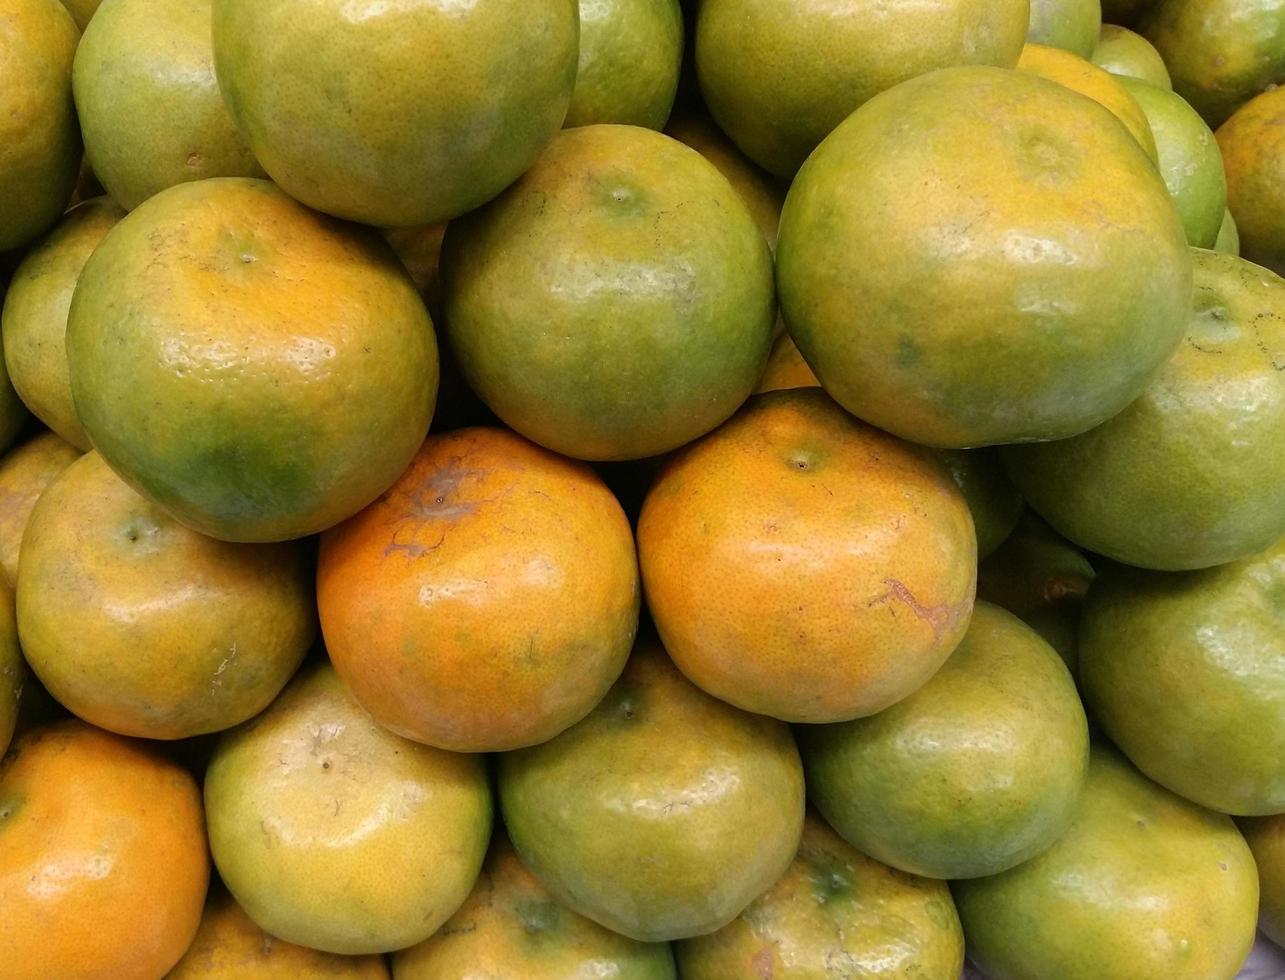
{"x":1031,"y":273}
{"x":396,"y":114}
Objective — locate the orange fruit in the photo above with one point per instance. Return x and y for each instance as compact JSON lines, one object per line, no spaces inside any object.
{"x":39,"y":139}
{"x":144,"y":627}
{"x":103,"y":866}
{"x":149,"y":106}
{"x":801,"y":564}
{"x":487,"y":600}
{"x":1029,"y":273}
{"x":614,"y":303}
{"x":1253,"y":149}
{"x":336,"y":834}
{"x":35,"y":314}
{"x":229,"y":946}
{"x":257,"y":369}
{"x":24,"y":473}
{"x":396,"y":113}
{"x":786,"y":368}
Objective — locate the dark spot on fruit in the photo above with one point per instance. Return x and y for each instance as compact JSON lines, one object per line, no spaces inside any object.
{"x":1223,"y":865}
{"x":326,"y":765}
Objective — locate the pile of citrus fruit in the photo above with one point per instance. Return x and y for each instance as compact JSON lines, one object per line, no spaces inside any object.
{"x":730,"y":490}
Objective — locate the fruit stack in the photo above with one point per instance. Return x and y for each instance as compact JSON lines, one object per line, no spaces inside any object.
{"x":731,"y":490}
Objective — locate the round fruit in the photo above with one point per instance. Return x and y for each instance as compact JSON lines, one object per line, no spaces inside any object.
{"x":511,"y":927}
{"x":614,"y":303}
{"x":778,"y":77}
{"x":487,"y":600}
{"x":35,"y":315}
{"x":143,"y":627}
{"x":1191,"y":474}
{"x":1042,"y":579}
{"x":1144,"y":886}
{"x":396,"y":114}
{"x":974,"y":773}
{"x":1220,"y":53}
{"x":1189,"y":160}
{"x":24,"y":474}
{"x":1122,"y":52}
{"x":630,"y":55}
{"x":992,"y":499}
{"x":1028,"y":288}
{"x":335,"y":834}
{"x":1266,"y":839}
{"x":149,"y":106}
{"x":12,"y":671}
{"x":803,"y":565}
{"x":1072,"y":25}
{"x":258,"y":370}
{"x":835,"y":910}
{"x":1186,"y":674}
{"x":786,"y":368}
{"x":229,"y":946}
{"x":420,"y":249}
{"x":761,"y":192}
{"x":1228,"y":240}
{"x":1081,"y":76}
{"x":102,"y":857}
{"x":1253,"y":149}
{"x":663,"y":813}
{"x":39,"y":138}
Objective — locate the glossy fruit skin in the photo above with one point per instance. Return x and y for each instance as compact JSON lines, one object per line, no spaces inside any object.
{"x":630,"y":55}
{"x":1062,"y":351}
{"x":487,"y":600}
{"x":616,"y":302}
{"x":312,"y":792}
{"x":835,"y":909}
{"x":1253,"y":149}
{"x":25,"y":472}
{"x":1228,"y":241}
{"x":1220,"y":53}
{"x":1189,"y":160}
{"x":1266,"y":839}
{"x":1071,"y":25}
{"x":148,"y":103}
{"x":803,"y":565}
{"x":974,"y":773}
{"x":12,"y":669}
{"x":663,"y":813}
{"x":407,"y":114}
{"x":779,"y":78}
{"x":510,"y":926}
{"x":1161,"y":485}
{"x":1144,"y":886}
{"x":1185,"y":673}
{"x":1042,"y":579}
{"x":103,"y":867}
{"x":1122,"y":52}
{"x":34,"y":321}
{"x":222,"y":362}
{"x":39,"y":139}
{"x":229,"y":946}
{"x":1080,"y":75}
{"x":146,"y":628}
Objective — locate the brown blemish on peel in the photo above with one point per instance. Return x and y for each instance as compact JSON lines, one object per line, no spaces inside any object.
{"x":940,"y":617}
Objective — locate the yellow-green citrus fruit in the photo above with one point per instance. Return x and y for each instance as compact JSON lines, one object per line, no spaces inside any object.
{"x":663,"y":813}
{"x":258,"y":370}
{"x":1027,"y":289}
{"x":630,"y":55}
{"x":1191,"y":473}
{"x":25,"y":471}
{"x":149,"y":106}
{"x":614,"y":303}
{"x":1253,"y":149}
{"x":1186,"y":674}
{"x":778,"y":77}
{"x":312,"y":794}
{"x":1072,"y":25}
{"x":40,"y":147}
{"x":396,"y":113}
{"x":1228,"y":241}
{"x":974,"y":773}
{"x":1122,"y":52}
{"x":1266,"y":838}
{"x":35,"y":315}
{"x":1144,"y":886}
